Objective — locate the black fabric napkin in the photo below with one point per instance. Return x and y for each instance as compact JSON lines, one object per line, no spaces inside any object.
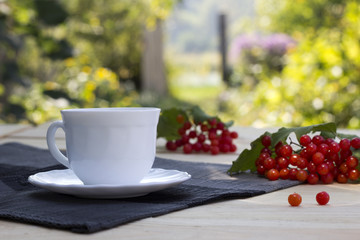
{"x":20,"y":201}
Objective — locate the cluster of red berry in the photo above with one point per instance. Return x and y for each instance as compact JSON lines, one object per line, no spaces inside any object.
{"x":317,"y":159}
{"x":207,"y":136}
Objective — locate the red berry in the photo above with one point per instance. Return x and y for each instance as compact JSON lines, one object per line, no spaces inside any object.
{"x":329,"y":140}
{"x":341,"y":178}
{"x":215,"y":142}
{"x":284,"y":173}
{"x":181,"y":131}
{"x":345,"y":144}
{"x":311,"y":149}
{"x":322,"y":169}
{"x":353,"y":174}
{"x":171,"y":146}
{"x":180,"y":118}
{"x":277,"y":148}
{"x":264,"y":156}
{"x":187,"y":125}
{"x":334,"y":147}
{"x":305,"y":140}
{"x":185,"y":139}
{"x":273,"y":174}
{"x":258,"y":162}
{"x":293,"y":160}
{"x":187,"y":148}
{"x":197,"y":146}
{"x":226,"y":140}
{"x":293,"y":173}
{"x":333,"y":157}
{"x":204,"y":127}
{"x":305,"y":153}
{"x":322,"y":198}
{"x":355,"y":143}
{"x":317,"y":140}
{"x":214,"y":150}
{"x":205,"y":147}
{"x":328,"y":178}
{"x":343,"y":168}
{"x":345,"y":154}
{"x":294,"y":199}
{"x":201,"y":138}
{"x":301,"y":175}
{"x":212,"y":122}
{"x":261,"y":169}
{"x":213,"y":130}
{"x":192,"y":134}
{"x":269,"y":163}
{"x":311,"y":167}
{"x":335,"y":172}
{"x":220,"y":126}
{"x":330,"y":165}
{"x":286,"y":151}
{"x":313,"y":178}
{"x":318,"y":158}
{"x":233,"y":148}
{"x":179,"y":142}
{"x":266,"y":140}
{"x":225,"y":133}
{"x":283,"y":162}
{"x":234,"y":135}
{"x":266,"y":150}
{"x":352,"y":162}
{"x":224,"y":148}
{"x":302,"y":163}
{"x":212,"y":135}
{"x":323,"y":148}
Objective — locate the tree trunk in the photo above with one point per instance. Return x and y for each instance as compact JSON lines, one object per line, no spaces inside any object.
{"x":152,"y":66}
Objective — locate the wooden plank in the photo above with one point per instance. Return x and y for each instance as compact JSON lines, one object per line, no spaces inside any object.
{"x":267,"y":216}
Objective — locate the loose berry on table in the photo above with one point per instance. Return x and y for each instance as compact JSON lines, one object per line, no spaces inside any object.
{"x":294,"y":199}
{"x":322,"y":198}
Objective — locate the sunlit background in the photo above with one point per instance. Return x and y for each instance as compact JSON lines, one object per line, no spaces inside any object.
{"x":288,"y":62}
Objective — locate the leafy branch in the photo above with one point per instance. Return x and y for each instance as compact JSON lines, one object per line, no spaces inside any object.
{"x":246,"y":159}
{"x":168,"y":125}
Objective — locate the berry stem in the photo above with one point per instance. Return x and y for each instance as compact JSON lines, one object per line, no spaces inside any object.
{"x":295,"y":143}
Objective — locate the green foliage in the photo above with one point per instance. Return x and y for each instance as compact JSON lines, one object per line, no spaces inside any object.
{"x":320,"y":81}
{"x":168,"y":125}
{"x":246,"y":159}
{"x":79,"y":53}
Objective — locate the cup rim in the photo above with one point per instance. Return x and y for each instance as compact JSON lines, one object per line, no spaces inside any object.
{"x":114,"y":109}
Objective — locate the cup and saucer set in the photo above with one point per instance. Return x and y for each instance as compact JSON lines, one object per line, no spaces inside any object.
{"x":110,"y":153}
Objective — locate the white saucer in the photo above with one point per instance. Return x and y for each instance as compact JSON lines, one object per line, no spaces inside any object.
{"x":66,"y":182}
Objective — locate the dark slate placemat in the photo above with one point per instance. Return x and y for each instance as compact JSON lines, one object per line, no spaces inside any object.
{"x":20,"y":201}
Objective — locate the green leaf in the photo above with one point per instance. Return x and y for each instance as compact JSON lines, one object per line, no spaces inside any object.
{"x":168,"y":126}
{"x":348,"y":136}
{"x":200,"y":116}
{"x":246,"y":159}
{"x":281,"y":135}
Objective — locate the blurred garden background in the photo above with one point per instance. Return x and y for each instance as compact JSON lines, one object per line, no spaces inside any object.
{"x":289,"y":62}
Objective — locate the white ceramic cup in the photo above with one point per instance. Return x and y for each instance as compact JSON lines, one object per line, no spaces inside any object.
{"x":110,"y":146}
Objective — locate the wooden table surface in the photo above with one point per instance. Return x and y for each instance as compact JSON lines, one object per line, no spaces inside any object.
{"x":266,"y":216}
